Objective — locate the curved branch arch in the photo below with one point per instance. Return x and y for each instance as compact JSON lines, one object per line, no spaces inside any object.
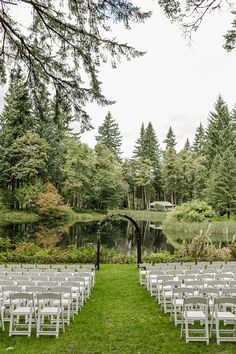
{"x":137,"y":230}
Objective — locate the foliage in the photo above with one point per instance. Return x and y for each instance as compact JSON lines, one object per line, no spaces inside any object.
{"x":201,"y":248}
{"x":41,"y":42}
{"x":221,"y":189}
{"x":28,"y":194}
{"x":50,"y":203}
{"x":196,"y":210}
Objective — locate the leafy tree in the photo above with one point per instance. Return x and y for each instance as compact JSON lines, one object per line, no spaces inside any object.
{"x":129,"y":175}
{"x":195,"y":210}
{"x":29,"y":153}
{"x":219,"y":133}
{"x":110,"y":136}
{"x":50,"y":203}
{"x":170,"y":139}
{"x":28,"y":194}
{"x":199,"y":140}
{"x":144,"y":180}
{"x":170,"y":173}
{"x":221,"y":189}
{"x":109,"y":189}
{"x":64,"y":44}
{"x":79,"y":170}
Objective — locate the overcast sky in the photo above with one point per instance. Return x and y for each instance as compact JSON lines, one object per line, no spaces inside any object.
{"x":172,"y":84}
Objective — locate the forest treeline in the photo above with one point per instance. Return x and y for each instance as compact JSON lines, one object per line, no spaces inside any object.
{"x":37,"y":147}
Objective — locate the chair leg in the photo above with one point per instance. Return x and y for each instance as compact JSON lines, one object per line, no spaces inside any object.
{"x":217,"y":331}
{"x":186,"y":330}
{"x":207,"y":331}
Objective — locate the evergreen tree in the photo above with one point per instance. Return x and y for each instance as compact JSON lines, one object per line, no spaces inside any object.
{"x":219,"y":134}
{"x":199,"y":140}
{"x":139,"y":145}
{"x":221,"y":189}
{"x":151,"y":151}
{"x":187,"y":145}
{"x":15,"y":121}
{"x":110,"y":136}
{"x":170,"y":139}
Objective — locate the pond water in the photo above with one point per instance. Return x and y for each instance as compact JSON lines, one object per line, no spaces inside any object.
{"x":118,"y":234}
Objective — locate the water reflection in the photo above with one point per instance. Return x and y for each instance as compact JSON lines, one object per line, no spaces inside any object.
{"x":118,"y":234}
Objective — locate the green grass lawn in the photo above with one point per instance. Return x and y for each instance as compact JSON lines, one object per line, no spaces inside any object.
{"x":120,"y":317}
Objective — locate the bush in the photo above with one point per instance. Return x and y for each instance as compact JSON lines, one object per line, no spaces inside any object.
{"x":51,"y":205}
{"x":196,"y":210}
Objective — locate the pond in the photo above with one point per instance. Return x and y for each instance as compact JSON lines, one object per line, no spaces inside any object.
{"x":117,"y":234}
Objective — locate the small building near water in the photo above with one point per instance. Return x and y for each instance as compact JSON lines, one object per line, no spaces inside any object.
{"x":162,"y":204}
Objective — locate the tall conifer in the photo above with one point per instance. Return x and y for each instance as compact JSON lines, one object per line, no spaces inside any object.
{"x":110,"y":136}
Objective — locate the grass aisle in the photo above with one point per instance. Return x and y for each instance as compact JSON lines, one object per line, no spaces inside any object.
{"x":120,"y":318}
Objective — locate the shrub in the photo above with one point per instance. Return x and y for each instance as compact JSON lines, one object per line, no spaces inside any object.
{"x":196,"y":210}
{"x":51,"y":205}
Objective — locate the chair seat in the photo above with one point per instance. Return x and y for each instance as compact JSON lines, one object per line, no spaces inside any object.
{"x":195,"y":315}
{"x":179,"y":302}
{"x":225,"y":315}
{"x":50,"y":311}
{"x":22,"y":311}
{"x":168,"y":293}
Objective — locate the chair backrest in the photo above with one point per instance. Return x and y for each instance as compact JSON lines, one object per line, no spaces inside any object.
{"x":208,"y":291}
{"x":229,"y":292}
{"x":35,"y":289}
{"x":11,"y":288}
{"x":21,"y":296}
{"x":195,"y":300}
{"x":184,"y":291}
{"x":223,"y":300}
{"x":49,"y":296}
{"x":61,"y":289}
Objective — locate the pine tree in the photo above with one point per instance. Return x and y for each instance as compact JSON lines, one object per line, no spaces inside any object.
{"x":170,"y":139}
{"x":139,"y":145}
{"x":219,"y":134}
{"x":221,"y":190}
{"x":187,"y":146}
{"x":110,"y":136}
{"x":16,"y":120}
{"x":199,"y":140}
{"x":151,"y":151}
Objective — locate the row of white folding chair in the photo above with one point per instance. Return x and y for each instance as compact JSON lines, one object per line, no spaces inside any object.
{"x":49,"y":305}
{"x":72,"y":299}
{"x":178,"y":294}
{"x":197,"y":309}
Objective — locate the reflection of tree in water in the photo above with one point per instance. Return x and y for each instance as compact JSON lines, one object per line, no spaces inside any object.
{"x":50,"y":236}
{"x":18,"y":232}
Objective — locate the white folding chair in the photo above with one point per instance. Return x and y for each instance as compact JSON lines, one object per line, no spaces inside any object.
{"x":195,"y":309}
{"x":224,"y":309}
{"x":178,"y":301}
{"x":51,"y":310}
{"x":66,"y":301}
{"x":21,"y":305}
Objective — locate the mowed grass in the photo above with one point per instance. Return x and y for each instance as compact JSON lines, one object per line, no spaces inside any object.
{"x":120,"y":317}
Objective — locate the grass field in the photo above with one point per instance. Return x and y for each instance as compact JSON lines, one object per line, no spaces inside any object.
{"x":119,"y":318}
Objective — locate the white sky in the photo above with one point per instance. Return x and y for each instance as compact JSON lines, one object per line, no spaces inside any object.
{"x":172,"y":84}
